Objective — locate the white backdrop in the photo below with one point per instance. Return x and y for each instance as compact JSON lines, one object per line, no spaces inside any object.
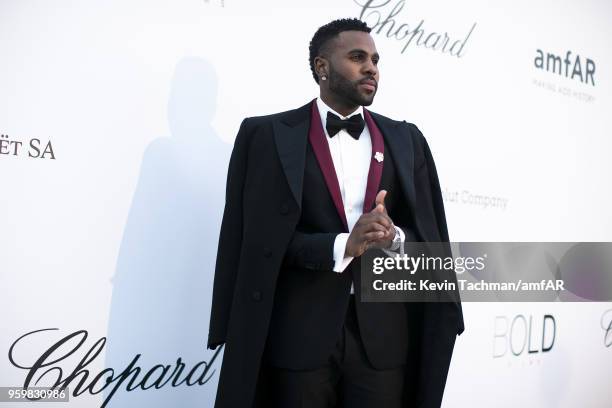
{"x":117,"y":119}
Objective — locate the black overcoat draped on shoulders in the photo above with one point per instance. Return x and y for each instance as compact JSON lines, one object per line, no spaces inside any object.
{"x":262,"y":209}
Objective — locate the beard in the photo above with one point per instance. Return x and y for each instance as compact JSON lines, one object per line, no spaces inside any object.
{"x":347,"y":90}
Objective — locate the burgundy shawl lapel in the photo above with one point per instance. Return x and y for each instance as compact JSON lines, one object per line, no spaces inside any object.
{"x":376,"y":166}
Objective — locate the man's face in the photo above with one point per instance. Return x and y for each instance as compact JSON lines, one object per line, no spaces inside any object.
{"x":353,"y":71}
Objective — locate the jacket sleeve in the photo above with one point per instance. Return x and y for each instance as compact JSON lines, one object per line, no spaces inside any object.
{"x":442,"y":321}
{"x":312,"y":251}
{"x":230,"y":240}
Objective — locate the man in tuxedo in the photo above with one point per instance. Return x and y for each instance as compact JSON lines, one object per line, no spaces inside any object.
{"x":308,"y":192}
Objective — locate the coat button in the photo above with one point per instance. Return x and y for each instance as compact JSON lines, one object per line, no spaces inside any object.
{"x":284,"y":209}
{"x":256,"y":296}
{"x":267,"y":252}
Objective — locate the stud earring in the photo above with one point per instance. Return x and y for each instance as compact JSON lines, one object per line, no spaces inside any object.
{"x":323,"y":77}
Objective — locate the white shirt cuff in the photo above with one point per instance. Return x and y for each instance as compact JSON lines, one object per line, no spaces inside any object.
{"x":340,"y":261}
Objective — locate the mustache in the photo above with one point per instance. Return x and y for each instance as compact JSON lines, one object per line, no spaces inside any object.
{"x":369,"y":79}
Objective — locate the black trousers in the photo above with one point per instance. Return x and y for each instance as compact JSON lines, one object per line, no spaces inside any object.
{"x":348,"y":380}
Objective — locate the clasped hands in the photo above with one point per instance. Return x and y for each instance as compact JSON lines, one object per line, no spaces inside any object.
{"x":372,"y":230}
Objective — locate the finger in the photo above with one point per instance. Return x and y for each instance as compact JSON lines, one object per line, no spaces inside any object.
{"x":380,"y":198}
{"x":389,"y":233}
{"x":376,"y":231}
{"x":373,"y":236}
{"x":379,"y":209}
{"x":382,"y":219}
{"x":375,"y":210}
{"x":374,"y":226}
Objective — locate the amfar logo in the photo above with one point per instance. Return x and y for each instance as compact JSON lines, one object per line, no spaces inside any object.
{"x":568,"y":67}
{"x":606,"y":325}
{"x":46,"y":368}
{"x":523,"y":334}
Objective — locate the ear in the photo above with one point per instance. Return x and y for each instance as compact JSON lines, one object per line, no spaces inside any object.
{"x":321,"y":66}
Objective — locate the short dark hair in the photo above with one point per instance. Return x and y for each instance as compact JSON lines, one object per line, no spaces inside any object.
{"x":329,"y":31}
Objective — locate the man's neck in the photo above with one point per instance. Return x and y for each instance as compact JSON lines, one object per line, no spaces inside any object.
{"x":339,"y":107}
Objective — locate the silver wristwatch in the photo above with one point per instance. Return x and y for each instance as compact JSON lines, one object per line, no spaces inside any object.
{"x":397,"y":239}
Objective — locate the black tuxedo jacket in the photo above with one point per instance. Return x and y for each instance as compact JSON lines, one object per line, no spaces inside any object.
{"x":275,"y":296}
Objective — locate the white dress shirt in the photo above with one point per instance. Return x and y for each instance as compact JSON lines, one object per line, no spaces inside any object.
{"x":352,"y":164}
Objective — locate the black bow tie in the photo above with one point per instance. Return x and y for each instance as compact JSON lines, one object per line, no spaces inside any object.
{"x":353,"y":125}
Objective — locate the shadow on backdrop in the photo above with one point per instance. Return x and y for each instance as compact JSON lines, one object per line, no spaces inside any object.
{"x":162,"y":286}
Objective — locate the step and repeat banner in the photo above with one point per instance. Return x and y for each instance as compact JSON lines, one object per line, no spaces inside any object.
{"x":117,"y":120}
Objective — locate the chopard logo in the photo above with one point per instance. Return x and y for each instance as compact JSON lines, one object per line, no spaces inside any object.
{"x":606,"y":325}
{"x":46,"y":369}
{"x":381,"y":17}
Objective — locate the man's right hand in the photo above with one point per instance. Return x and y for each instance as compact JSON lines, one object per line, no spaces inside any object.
{"x":371,"y":227}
